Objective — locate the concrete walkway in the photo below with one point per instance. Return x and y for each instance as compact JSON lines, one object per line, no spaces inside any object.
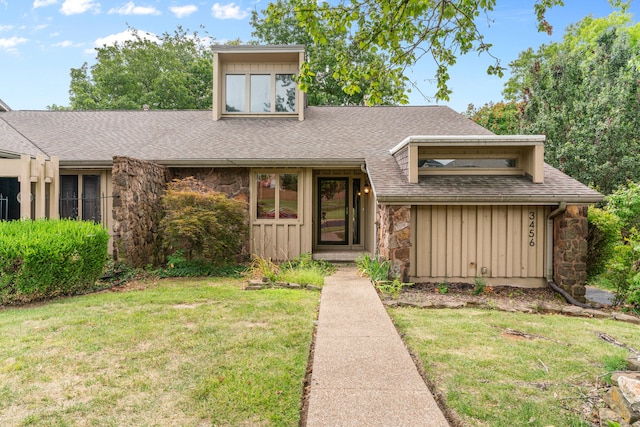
{"x":362,"y":373}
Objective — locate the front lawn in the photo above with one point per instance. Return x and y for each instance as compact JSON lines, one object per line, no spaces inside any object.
{"x":498,"y":368}
{"x":176,"y":352}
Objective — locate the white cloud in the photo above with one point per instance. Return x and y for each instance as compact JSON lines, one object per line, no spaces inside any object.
{"x":10,"y":44}
{"x":182,"y":11}
{"x":6,"y":28}
{"x":40,"y":27}
{"x":43,"y":3}
{"x":228,"y":11}
{"x":75,"y":7}
{"x":120,"y":38}
{"x":66,"y":43}
{"x":131,"y":9}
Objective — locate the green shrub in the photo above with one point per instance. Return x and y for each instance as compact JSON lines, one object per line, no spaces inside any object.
{"x":625,"y":203}
{"x":377,"y":268}
{"x":480,"y":283}
{"x":623,"y":270}
{"x":46,"y":258}
{"x":604,"y":234}
{"x":202,"y":225}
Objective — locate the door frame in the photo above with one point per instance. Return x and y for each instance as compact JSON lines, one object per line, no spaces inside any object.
{"x":350,"y":176}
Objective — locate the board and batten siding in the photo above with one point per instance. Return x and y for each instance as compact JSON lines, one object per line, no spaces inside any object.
{"x":285,"y":239}
{"x":504,"y":244}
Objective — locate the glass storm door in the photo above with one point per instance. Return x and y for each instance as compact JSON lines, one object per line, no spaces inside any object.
{"x":333,"y":211}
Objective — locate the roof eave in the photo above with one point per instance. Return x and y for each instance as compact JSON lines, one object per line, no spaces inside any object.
{"x":470,"y":140}
{"x":489,"y":200}
{"x":179,"y":163}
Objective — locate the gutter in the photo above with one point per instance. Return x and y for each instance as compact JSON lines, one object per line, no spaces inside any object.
{"x":352,"y":163}
{"x":489,"y":199}
{"x":562,"y":207}
{"x":9,"y":154}
{"x":469,"y":140}
{"x":374,"y":202}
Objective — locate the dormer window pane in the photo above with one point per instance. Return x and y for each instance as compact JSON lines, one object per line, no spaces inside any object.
{"x":235,"y":92}
{"x":260,"y":93}
{"x":285,"y":93}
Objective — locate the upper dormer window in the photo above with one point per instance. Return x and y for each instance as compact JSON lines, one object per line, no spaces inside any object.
{"x":260,"y":93}
{"x":471,"y":155}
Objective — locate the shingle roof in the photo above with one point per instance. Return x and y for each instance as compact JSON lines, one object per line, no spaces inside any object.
{"x":13,"y":143}
{"x":327,"y":135}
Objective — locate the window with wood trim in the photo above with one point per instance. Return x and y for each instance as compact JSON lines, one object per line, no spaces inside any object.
{"x":489,"y":161}
{"x":80,"y":197}
{"x":256,"y":93}
{"x":277,"y":196}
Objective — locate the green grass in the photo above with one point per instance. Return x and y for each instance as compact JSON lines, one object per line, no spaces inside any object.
{"x":179,"y":352}
{"x":490,"y":377}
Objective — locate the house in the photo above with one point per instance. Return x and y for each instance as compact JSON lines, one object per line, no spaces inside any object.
{"x":435,"y":193}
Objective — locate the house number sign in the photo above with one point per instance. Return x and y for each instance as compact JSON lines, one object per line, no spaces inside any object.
{"x":532,"y":228}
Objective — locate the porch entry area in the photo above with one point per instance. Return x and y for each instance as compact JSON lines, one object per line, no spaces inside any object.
{"x":339,"y":215}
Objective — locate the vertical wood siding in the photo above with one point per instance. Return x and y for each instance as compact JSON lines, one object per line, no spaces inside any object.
{"x":459,"y":241}
{"x":276,"y":241}
{"x":284,"y":240}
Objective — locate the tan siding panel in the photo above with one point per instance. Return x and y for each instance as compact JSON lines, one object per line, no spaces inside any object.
{"x":464,"y":242}
{"x":484,"y":223}
{"x":458,"y":241}
{"x":454,"y":243}
{"x":280,"y":242}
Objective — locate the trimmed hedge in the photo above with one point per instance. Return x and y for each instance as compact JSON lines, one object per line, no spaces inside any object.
{"x":46,"y":258}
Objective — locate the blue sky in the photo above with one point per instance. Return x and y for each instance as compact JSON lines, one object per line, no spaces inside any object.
{"x":41,"y":40}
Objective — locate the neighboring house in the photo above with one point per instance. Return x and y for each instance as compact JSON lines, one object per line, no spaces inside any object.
{"x":425,"y":187}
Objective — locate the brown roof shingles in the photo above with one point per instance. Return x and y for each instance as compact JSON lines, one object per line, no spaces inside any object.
{"x":349,"y":134}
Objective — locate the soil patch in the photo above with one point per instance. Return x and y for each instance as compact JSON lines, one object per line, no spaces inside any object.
{"x":467,"y":293}
{"x":505,"y":298}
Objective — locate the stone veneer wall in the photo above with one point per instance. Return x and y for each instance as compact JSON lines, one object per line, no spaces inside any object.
{"x":570,"y":251}
{"x":394,"y":237}
{"x":137,"y":188}
{"x":234,"y":182}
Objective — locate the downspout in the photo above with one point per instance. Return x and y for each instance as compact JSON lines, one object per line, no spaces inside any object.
{"x":562,"y":207}
{"x":374,"y":213}
{"x":554,"y":213}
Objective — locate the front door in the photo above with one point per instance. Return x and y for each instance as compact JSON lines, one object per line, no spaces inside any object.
{"x":339,"y":207}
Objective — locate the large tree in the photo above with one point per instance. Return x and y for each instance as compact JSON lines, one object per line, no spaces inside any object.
{"x":405,"y":30}
{"x":321,"y":82}
{"x":170,"y":72}
{"x":502,"y":118}
{"x":584,"y":95}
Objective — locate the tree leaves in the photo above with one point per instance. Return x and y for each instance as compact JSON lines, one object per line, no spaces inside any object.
{"x":403,"y":31}
{"x":325,"y":82}
{"x":174,"y":72}
{"x":584,"y":95}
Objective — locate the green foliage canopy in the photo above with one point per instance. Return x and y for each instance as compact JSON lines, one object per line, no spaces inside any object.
{"x":321,"y":83}
{"x":501,"y":118}
{"x":405,"y":31}
{"x":584,"y":95}
{"x":172,"y":72}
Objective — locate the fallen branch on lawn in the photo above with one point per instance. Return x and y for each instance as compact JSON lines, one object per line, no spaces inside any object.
{"x":611,"y":340}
